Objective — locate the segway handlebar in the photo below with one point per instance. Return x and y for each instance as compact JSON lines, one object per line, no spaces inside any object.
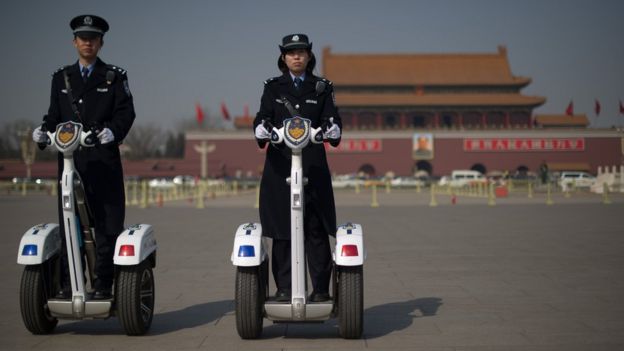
{"x":316,"y":135}
{"x":65,"y":131}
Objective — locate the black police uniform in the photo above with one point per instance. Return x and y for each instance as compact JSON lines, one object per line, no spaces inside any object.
{"x":313,"y":100}
{"x":103,"y":100}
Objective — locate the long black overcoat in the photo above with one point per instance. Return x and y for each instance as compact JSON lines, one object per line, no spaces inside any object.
{"x":107,"y":102}
{"x":313,"y":103}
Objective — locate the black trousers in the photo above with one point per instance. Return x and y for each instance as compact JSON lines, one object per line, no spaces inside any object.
{"x":318,"y":254}
{"x":106,"y":199}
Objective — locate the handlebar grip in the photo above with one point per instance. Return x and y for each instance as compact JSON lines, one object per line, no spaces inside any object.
{"x":92,"y":139}
{"x":268,"y":125}
{"x":44,"y":129}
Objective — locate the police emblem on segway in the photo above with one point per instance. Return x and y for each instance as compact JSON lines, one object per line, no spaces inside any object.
{"x":297,"y":130}
{"x":67,"y":134}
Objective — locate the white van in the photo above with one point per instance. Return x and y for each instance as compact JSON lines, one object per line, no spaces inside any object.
{"x":461,"y":178}
{"x":568,"y":179}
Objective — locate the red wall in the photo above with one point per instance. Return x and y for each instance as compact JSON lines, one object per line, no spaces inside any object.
{"x":241,"y":153}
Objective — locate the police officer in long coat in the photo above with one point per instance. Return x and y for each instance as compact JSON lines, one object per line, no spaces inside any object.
{"x":312,"y":98}
{"x":98,"y":96}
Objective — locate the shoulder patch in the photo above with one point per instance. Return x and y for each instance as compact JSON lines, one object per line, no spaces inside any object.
{"x":323,"y":85}
{"x":61,"y":69}
{"x":117,"y":69}
{"x":270,"y":80}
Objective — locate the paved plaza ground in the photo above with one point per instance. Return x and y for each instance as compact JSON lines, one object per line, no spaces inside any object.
{"x":520,"y":275}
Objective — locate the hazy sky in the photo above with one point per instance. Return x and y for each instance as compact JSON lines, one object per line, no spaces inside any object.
{"x":178,"y":53}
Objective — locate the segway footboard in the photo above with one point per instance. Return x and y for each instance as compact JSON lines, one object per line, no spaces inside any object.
{"x":250,"y":248}
{"x":39,"y":243}
{"x":136,"y":244}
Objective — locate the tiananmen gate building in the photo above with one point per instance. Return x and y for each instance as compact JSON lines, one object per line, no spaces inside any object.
{"x":407,"y":112}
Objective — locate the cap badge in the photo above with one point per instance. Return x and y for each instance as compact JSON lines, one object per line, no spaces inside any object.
{"x":88,"y":20}
{"x":295,"y":38}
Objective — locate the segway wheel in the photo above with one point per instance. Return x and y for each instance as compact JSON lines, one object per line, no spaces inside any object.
{"x":350,"y":301}
{"x":249,"y":300}
{"x":134,"y":295}
{"x":33,"y":301}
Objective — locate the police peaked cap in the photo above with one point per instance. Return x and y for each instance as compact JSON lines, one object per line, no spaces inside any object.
{"x":295,"y":41}
{"x":88,"y":25}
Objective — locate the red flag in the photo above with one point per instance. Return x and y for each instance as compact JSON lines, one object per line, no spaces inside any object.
{"x":597,"y":107}
{"x":621,"y":108}
{"x":199,"y":114}
{"x":224,"y":111}
{"x":570,"y":109}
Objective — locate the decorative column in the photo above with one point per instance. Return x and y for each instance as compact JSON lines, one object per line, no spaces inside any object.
{"x":483,"y":120}
{"x":403,"y":120}
{"x":379,"y":121}
{"x":436,"y":119}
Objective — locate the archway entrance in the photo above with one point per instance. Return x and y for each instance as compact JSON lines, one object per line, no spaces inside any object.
{"x":479,"y":167}
{"x":422,"y":166}
{"x":367,"y":169}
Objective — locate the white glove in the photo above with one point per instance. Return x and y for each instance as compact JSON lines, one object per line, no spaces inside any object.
{"x":39,"y":136}
{"x":106,"y":136}
{"x":333,"y":132}
{"x":262,"y":133}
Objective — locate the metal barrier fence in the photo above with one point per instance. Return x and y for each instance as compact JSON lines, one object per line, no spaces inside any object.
{"x":489,"y":191}
{"x":141,"y":194}
{"x":26,"y":187}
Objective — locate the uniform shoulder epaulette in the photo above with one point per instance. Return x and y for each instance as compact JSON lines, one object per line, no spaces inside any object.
{"x":60,"y":69}
{"x":270,"y":80}
{"x":327,"y":81}
{"x":117,"y":69}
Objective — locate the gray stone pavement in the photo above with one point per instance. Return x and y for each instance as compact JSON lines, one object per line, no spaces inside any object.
{"x":520,"y":275}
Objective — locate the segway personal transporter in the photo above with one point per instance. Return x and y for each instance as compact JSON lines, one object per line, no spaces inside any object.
{"x":250,"y":256}
{"x":40,"y":250}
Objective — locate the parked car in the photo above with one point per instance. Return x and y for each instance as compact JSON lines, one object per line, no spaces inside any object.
{"x":184,"y":180}
{"x":161,"y":183}
{"x":347,"y":181}
{"x":460,"y":178}
{"x":407,"y":182}
{"x":567,"y":179}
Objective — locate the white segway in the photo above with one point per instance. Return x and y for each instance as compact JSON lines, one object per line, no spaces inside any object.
{"x":40,"y":250}
{"x":250,"y":256}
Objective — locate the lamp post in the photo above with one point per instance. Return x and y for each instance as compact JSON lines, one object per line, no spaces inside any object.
{"x":28,"y":150}
{"x":204,"y":149}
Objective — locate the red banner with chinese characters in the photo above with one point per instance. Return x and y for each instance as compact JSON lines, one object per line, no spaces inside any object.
{"x":356,"y":145}
{"x":523,"y":144}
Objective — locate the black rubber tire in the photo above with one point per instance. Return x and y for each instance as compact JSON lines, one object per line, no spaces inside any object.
{"x":135,"y":295}
{"x":33,"y":301}
{"x":249,"y":301}
{"x":350,"y":301}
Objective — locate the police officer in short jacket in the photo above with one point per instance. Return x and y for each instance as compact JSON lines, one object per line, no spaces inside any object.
{"x":102,"y":99}
{"x":312,"y":97}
